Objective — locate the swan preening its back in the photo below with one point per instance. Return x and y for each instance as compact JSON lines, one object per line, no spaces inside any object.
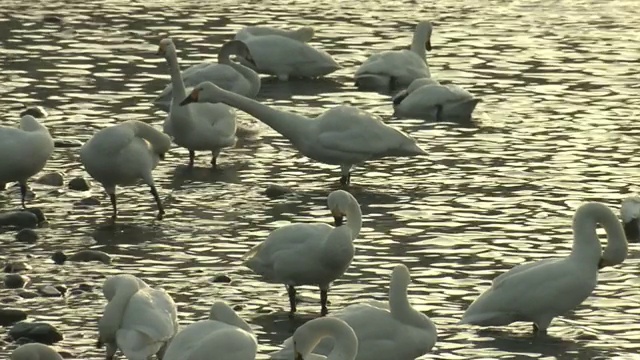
{"x":309,"y":254}
{"x":24,"y":151}
{"x":539,"y":291}
{"x":385,"y":330}
{"x":343,"y":135}
{"x":123,"y":155}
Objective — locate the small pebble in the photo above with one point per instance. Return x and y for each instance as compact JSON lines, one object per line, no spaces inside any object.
{"x":237,"y":307}
{"x":53,"y":19}
{"x":15,"y":281}
{"x":66,"y":143}
{"x":90,"y":201}
{"x":27,"y":235}
{"x":79,"y":184}
{"x":18,"y":219}
{"x":51,"y":179}
{"x":36,"y":331}
{"x":28,"y":294}
{"x":11,"y":316}
{"x":49,"y":291}
{"x":276,"y":191}
{"x":222,"y":278}
{"x":83,"y":255}
{"x":16,"y":266}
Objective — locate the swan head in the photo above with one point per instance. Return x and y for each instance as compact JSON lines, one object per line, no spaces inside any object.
{"x":304,"y":33}
{"x":339,"y":202}
{"x":203,"y":92}
{"x":630,"y":214}
{"x":237,"y":48}
{"x":424,"y":30}
{"x":166,"y":47}
{"x":401,"y":275}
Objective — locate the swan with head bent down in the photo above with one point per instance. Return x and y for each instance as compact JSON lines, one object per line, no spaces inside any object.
{"x":397,"y":68}
{"x":539,"y":291}
{"x":307,"y":336}
{"x":224,"y":336}
{"x":197,"y":127}
{"x":138,"y":320}
{"x":343,"y":135}
{"x":309,"y":254}
{"x":393,"y":330}
{"x":225,"y":73}
{"x":303,"y":34}
{"x":427,"y":99}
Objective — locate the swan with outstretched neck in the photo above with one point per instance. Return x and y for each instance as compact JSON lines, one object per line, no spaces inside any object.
{"x":397,"y":68}
{"x":197,"y":127}
{"x":125,"y":154}
{"x":307,"y":336}
{"x":24,"y":152}
{"x":344,"y":135}
{"x":385,"y":330}
{"x":539,"y":291}
{"x":226,"y":73}
{"x":224,"y":336}
{"x":309,"y":254}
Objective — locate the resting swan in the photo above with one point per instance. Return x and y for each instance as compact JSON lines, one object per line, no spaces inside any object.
{"x":343,"y":135}
{"x":393,"y":330}
{"x":303,"y":34}
{"x":225,"y":336}
{"x":426,"y":98}
{"x":197,"y":127}
{"x":123,"y":155}
{"x":25,"y":151}
{"x":539,"y":291}
{"x":397,"y":68}
{"x":307,"y":336}
{"x":630,"y":213}
{"x":225,"y":73}
{"x":137,"y":319}
{"x":35,"y":351}
{"x":309,"y":254}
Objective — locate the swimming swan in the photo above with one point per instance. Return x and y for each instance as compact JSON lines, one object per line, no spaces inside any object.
{"x":539,"y":291}
{"x":309,"y":254}
{"x":397,"y":68}
{"x":426,"y":98}
{"x":226,"y":73}
{"x":137,"y":319}
{"x":25,"y":152}
{"x":225,"y":336}
{"x":307,"y":336}
{"x":198,"y":127}
{"x":343,"y":135}
{"x":303,"y":34}
{"x":630,"y":213}
{"x":123,"y":155}
{"x":393,"y":330}
{"x":285,"y":57}
{"x":35,"y":351}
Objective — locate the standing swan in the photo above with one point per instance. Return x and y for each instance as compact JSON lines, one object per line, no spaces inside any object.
{"x":225,"y":336}
{"x":309,"y":254}
{"x":123,"y":155}
{"x":25,"y":152}
{"x":303,"y":34}
{"x":226,"y":73}
{"x":397,"y":68}
{"x":393,"y":330}
{"x":307,"y":336}
{"x":35,"y":351}
{"x":138,"y":320}
{"x":198,"y":127}
{"x":343,"y":135}
{"x":539,"y":291}
{"x":630,"y":214}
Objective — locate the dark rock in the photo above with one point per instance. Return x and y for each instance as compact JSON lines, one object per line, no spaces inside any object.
{"x":27,"y":235}
{"x":76,"y":292}
{"x":85,"y":287}
{"x":51,"y":179}
{"x":36,"y":331}
{"x":66,"y":143}
{"x":29,"y":294}
{"x":237,"y":307}
{"x":276,"y":191}
{"x":222,"y":278}
{"x":79,"y":184}
{"x":59,"y":257}
{"x":83,"y":255}
{"x":49,"y":291}
{"x":36,"y":111}
{"x":38,"y":213}
{"x":11,"y":316}
{"x":16,"y":266}
{"x":18,"y":219}
{"x":62,"y":288}
{"x":15,"y":281}
{"x":90,"y":201}
{"x":53,"y":19}
{"x":10,"y":299}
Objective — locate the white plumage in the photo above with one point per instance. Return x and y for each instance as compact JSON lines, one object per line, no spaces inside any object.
{"x":35,"y":351}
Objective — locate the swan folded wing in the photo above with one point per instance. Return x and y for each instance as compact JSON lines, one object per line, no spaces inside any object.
{"x":152,"y":313}
{"x":397,"y":64}
{"x":518,"y":269}
{"x":234,"y":343}
{"x":224,"y":76}
{"x":193,"y":337}
{"x":15,"y":147}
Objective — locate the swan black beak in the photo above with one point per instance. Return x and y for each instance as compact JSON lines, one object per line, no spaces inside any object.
{"x":632,"y":230}
{"x":427,"y":45}
{"x":338,"y":220}
{"x":193,"y":97}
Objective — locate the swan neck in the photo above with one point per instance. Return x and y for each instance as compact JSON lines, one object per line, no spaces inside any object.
{"x":252,"y":77}
{"x":111,"y":319}
{"x":418,"y":43}
{"x":354,"y":219}
{"x":179,"y":91}
{"x":160,"y":143}
{"x":586,"y":244}
{"x":346,"y":342}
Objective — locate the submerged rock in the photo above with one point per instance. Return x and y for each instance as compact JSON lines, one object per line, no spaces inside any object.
{"x":83,"y":255}
{"x":89,"y":201}
{"x":18,"y":219}
{"x":79,"y":184}
{"x":28,"y":294}
{"x":37,"y":331}
{"x":51,"y":179}
{"x":27,"y":235}
{"x":222,"y":278}
{"x":16,"y":266}
{"x":15,"y":281}
{"x":49,"y":291}
{"x":275,"y":191}
{"x":11,"y":316}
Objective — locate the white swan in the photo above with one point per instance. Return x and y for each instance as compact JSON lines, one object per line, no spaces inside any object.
{"x":426,"y":98}
{"x":393,"y":330}
{"x":35,"y":351}
{"x":226,"y":73}
{"x":343,"y":135}
{"x":25,"y":152}
{"x":138,"y":320}
{"x":630,"y":214}
{"x":539,"y":291}
{"x":225,"y":336}
{"x":197,"y":127}
{"x":307,"y":336}
{"x":309,"y":254}
{"x":123,"y":155}
{"x":285,"y":57}
{"x":397,"y":68}
{"x":303,"y":34}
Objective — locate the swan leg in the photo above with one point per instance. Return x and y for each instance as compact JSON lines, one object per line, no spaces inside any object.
{"x":3,"y":186}
{"x":111,"y":351}
{"x":540,"y":327}
{"x":439,"y":112}
{"x":192,"y":157}
{"x":23,"y":193}
{"x":156,"y":197}
{"x":112,"y":197}
{"x":324,"y":294}
{"x":345,"y":179}
{"x":291,"y":290}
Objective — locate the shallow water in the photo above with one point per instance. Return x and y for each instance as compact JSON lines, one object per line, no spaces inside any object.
{"x":557,"y":126}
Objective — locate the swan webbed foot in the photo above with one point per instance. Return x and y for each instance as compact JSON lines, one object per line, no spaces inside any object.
{"x":192,"y":157}
{"x":291,"y":290}
{"x":114,"y":205}
{"x":156,"y":197}
{"x":324,"y":294}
